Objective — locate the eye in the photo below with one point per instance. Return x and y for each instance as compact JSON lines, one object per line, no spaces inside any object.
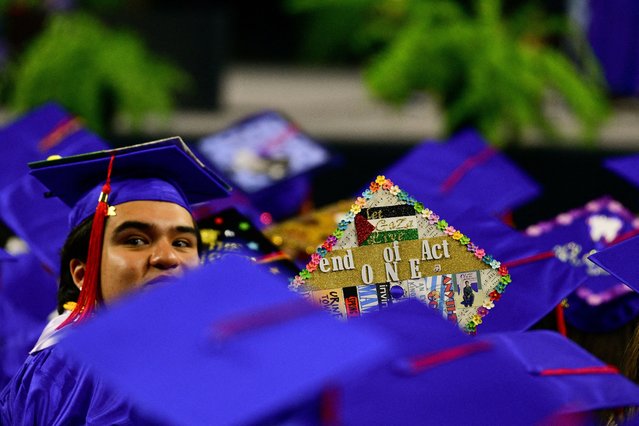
{"x":135,"y":241}
{"x":183,"y":243}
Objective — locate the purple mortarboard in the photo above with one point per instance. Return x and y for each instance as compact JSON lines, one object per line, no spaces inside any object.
{"x":45,"y":131}
{"x":439,"y":376}
{"x":185,"y":356}
{"x":465,"y":168}
{"x":541,"y":277}
{"x":621,"y":261}
{"x":388,"y":238}
{"x":601,"y":303}
{"x":267,"y":157}
{"x":28,"y":286}
{"x":625,"y":166}
{"x":93,"y":184}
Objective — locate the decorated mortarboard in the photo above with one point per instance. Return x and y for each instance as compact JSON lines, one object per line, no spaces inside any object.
{"x":602,"y":302}
{"x":390,"y":247}
{"x":437,"y":375}
{"x":220,"y":363}
{"x":229,"y":232}
{"x":93,"y":184}
{"x":465,"y":168}
{"x":541,"y":278}
{"x":299,"y":236}
{"x":620,"y":261}
{"x":44,"y":131}
{"x":269,"y":158}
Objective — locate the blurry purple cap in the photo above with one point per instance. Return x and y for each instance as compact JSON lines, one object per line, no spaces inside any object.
{"x":228,"y":344}
{"x":602,"y":302}
{"x":467,"y":169}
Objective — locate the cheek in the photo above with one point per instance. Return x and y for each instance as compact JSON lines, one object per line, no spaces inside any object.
{"x":191,"y":260}
{"x":119,"y":272}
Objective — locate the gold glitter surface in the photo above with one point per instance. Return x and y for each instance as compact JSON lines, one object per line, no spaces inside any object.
{"x":347,"y":267}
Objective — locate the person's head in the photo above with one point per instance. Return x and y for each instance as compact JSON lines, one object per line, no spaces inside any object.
{"x":146,"y":240}
{"x":142,"y":229}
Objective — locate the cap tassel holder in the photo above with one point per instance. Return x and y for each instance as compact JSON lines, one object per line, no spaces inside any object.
{"x":89,"y":293}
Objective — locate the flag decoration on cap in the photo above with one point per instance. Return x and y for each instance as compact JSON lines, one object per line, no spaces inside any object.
{"x":268,"y":157}
{"x":93,"y":184}
{"x":601,"y":303}
{"x":467,"y":169}
{"x":227,"y":363}
{"x":390,"y":247}
{"x":620,"y":260}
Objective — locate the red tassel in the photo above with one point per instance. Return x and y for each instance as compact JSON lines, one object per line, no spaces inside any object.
{"x":89,"y":294}
{"x":561,"y":320}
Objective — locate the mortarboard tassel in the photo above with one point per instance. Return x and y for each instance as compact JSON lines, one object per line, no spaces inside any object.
{"x":89,"y":292}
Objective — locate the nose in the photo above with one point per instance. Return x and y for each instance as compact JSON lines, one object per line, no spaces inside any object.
{"x":164,"y":256}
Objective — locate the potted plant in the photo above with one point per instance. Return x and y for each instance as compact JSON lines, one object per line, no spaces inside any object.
{"x":486,"y":70}
{"x":94,"y":71}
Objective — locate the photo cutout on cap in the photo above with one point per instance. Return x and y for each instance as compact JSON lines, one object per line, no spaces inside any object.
{"x":389,"y":248}
{"x":262,"y":150}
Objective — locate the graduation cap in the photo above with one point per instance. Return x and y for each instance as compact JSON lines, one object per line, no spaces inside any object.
{"x":541,"y":277}
{"x":390,"y":247}
{"x":44,"y":131}
{"x":440,"y":376}
{"x":626,"y":166}
{"x":229,"y":232}
{"x":223,"y":360}
{"x":620,"y":260}
{"x":269,"y":158}
{"x":93,"y":184}
{"x":300,"y":236}
{"x":601,"y":303}
{"x":465,"y":168}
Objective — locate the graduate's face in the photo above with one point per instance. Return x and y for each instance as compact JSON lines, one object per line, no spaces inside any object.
{"x":145,"y":240}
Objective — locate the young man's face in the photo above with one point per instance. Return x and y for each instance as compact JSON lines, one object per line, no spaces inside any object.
{"x":145,"y":240}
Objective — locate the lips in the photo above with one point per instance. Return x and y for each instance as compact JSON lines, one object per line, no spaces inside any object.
{"x":160,"y":280}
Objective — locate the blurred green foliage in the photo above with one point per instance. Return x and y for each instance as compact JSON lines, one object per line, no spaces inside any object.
{"x":94,"y":71}
{"x":488,"y":69}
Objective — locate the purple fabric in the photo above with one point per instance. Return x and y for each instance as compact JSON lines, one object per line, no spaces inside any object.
{"x":125,"y":190}
{"x":21,"y":207}
{"x":223,"y":360}
{"x":620,"y":261}
{"x":626,"y":166}
{"x":42,"y":132}
{"x":600,"y":304}
{"x":499,"y":384}
{"x":465,"y":169}
{"x":18,"y":334}
{"x":614,"y":36}
{"x":27,"y":286}
{"x":537,"y":286}
{"x":50,"y":390}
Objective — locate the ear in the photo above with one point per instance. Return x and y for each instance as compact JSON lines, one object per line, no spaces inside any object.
{"x":77,"y":268}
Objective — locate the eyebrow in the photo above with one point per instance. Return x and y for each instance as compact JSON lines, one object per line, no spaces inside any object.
{"x":145,"y":227}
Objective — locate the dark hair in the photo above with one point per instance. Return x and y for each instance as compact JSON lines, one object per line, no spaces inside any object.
{"x":76,"y":246}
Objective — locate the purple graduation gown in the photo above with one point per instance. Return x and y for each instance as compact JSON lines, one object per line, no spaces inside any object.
{"x":50,"y":390}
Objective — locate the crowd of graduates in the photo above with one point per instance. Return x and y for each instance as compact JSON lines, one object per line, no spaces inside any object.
{"x":83,"y":341}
